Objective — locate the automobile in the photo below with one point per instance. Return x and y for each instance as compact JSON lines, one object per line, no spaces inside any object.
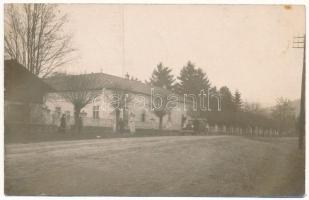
{"x":198,"y":125}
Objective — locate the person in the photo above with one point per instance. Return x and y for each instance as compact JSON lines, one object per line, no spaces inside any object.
{"x":153,"y":123}
{"x":196,"y":125}
{"x":132,"y":122}
{"x":168,"y":124}
{"x":183,"y":121}
{"x":114,"y":125}
{"x":63,"y":123}
{"x":121,"y":125}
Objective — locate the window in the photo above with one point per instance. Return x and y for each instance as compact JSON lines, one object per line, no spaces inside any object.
{"x":58,"y":109}
{"x":96,"y":112}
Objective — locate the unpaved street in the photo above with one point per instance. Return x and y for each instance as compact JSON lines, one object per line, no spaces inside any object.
{"x":156,"y":166}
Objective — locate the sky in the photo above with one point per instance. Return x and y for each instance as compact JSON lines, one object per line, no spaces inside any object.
{"x":245,"y":47}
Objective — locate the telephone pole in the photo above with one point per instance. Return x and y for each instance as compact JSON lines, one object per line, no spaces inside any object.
{"x":123,"y":40}
{"x":300,"y":43}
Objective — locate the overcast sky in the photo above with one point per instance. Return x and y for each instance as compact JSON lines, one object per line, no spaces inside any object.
{"x":248,"y":48}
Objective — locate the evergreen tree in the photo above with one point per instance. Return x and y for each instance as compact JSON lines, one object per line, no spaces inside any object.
{"x":162,"y":77}
{"x":192,"y":80}
{"x":237,"y":101}
{"x":214,"y":99}
{"x":226,"y":98}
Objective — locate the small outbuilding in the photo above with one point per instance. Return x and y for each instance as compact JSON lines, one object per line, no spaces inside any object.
{"x":23,"y":93}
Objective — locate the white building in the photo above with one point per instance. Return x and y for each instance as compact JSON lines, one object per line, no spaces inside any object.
{"x":100,"y":112}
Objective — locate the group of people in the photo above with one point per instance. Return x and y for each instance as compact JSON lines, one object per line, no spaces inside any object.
{"x":63,"y":124}
{"x":122,"y":123}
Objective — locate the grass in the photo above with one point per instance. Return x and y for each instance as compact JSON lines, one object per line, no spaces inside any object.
{"x":157,"y":166}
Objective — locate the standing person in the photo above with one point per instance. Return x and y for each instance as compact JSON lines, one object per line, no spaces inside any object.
{"x":196,"y":125}
{"x":132,"y":123}
{"x":63,"y":123}
{"x":114,"y":126}
{"x":121,"y":125}
{"x":153,"y":123}
{"x":168,"y":124}
{"x":183,"y":121}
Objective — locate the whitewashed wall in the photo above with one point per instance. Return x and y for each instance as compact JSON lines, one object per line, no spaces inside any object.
{"x":139,"y":105}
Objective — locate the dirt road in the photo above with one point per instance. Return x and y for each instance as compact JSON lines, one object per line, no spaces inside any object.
{"x":156,"y":166}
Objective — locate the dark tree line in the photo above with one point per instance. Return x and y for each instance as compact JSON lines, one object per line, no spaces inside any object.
{"x":192,"y":80}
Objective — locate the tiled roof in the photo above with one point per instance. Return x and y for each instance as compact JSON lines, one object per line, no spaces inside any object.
{"x":102,"y":80}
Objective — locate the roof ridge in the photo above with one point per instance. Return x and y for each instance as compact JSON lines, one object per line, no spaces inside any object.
{"x":137,"y":86}
{"x":102,"y":73}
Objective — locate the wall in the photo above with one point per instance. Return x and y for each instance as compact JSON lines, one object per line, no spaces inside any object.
{"x":139,"y":106}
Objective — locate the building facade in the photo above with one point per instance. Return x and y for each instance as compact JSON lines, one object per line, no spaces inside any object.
{"x":100,"y":112}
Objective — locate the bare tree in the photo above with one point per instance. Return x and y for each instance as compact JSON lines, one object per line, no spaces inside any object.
{"x":34,"y":36}
{"x":160,"y":108}
{"x":80,"y":92}
{"x":284,"y":115}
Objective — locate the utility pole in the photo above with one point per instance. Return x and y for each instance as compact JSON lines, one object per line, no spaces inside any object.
{"x":123,"y":39}
{"x":300,"y":43}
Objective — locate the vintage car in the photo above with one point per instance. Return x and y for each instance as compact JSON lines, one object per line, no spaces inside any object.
{"x":196,"y":126}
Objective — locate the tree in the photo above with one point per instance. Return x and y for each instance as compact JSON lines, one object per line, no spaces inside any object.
{"x":79,"y":92}
{"x":284,"y":115}
{"x":34,"y":37}
{"x":254,"y":108}
{"x":214,"y":99}
{"x":192,"y":81}
{"x":160,"y":108}
{"x":162,"y":77}
{"x":237,"y":101}
{"x":226,"y":99}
